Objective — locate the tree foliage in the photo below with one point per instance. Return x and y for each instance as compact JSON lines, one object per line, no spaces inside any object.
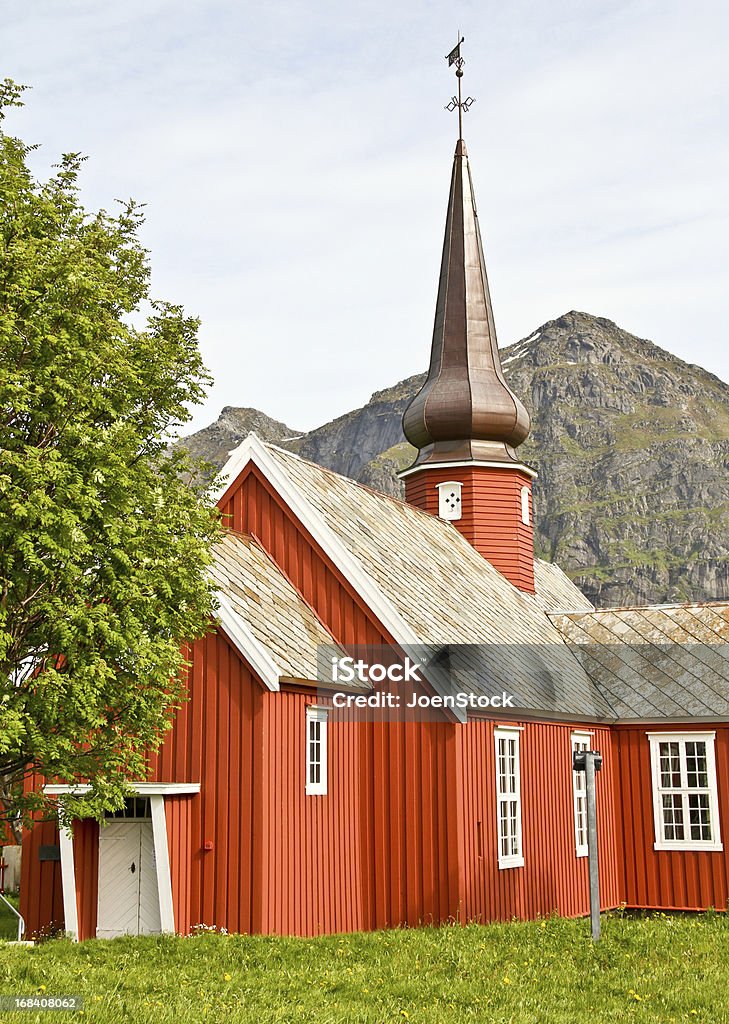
{"x":103,"y":548}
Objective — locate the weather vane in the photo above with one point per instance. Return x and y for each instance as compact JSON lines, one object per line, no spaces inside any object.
{"x":454,"y":57}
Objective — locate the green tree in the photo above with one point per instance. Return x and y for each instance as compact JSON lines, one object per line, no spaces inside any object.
{"x":103,"y":548}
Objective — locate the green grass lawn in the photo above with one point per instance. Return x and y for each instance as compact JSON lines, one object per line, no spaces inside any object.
{"x":659,"y":968}
{"x":8,"y":921}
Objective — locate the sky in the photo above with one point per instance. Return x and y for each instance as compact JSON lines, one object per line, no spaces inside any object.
{"x":294,"y":158}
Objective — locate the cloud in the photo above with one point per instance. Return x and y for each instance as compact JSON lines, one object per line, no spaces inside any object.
{"x":295,"y":161}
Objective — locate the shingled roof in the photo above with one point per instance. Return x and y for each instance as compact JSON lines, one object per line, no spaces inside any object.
{"x":555,"y":591}
{"x":442,"y":590}
{"x":264,"y":601}
{"x":669,"y":661}
{"x":558,"y":655}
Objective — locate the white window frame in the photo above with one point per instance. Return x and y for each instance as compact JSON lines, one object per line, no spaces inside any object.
{"x":316,"y":717}
{"x":580,"y":741}
{"x":515,"y":859}
{"x":661,"y":843}
{"x":445,"y":511}
{"x":524,"y":497}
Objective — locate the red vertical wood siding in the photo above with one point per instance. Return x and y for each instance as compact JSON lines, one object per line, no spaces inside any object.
{"x":553,"y":878}
{"x":178,"y":815}
{"x":215,"y":741}
{"x":41,"y":895}
{"x":415,"y":857}
{"x":490,"y":514}
{"x":666,"y":879}
{"x":86,"y":869}
{"x":314,"y":846}
{"x":375,"y":850}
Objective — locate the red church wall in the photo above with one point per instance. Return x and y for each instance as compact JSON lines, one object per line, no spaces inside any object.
{"x":216,"y":740}
{"x":553,"y":878}
{"x":491,"y":514}
{"x":86,"y":868}
{"x":179,"y":817}
{"x":379,"y":849}
{"x":41,"y":895}
{"x":666,"y":879}
{"x":314,"y":864}
{"x":415,"y":857}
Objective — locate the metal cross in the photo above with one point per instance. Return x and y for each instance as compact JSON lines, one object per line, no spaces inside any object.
{"x":456,"y":103}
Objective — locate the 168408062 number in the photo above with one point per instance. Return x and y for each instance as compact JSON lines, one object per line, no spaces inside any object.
{"x":40,"y":1002}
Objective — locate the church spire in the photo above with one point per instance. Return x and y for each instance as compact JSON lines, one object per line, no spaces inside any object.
{"x":465,"y":421}
{"x":465,"y":410}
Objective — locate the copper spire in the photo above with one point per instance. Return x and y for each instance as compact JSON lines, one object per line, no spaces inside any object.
{"x":465,"y":411}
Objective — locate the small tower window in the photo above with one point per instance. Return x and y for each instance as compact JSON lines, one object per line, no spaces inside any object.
{"x":525,"y":505}
{"x":449,"y":500}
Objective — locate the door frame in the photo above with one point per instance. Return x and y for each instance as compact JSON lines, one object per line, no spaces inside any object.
{"x":156,"y":791}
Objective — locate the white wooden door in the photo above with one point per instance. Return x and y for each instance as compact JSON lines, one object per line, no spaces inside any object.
{"x":128,"y":898}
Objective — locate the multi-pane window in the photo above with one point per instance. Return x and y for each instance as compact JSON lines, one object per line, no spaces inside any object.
{"x":580,"y":741}
{"x":316,"y":750}
{"x":685,"y":803}
{"x":134,"y":807}
{"x":508,"y":798}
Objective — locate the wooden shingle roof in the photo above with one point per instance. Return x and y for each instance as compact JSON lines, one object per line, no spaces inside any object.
{"x":559,"y":656}
{"x":267,"y":603}
{"x":446,"y":592}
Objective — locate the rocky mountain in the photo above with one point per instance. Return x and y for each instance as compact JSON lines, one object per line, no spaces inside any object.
{"x":631,"y":445}
{"x":212,"y":444}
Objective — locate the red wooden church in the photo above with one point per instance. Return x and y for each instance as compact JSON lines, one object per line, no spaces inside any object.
{"x":266,"y":812}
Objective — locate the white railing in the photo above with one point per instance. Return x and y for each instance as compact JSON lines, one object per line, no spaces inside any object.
{"x":21,"y":922}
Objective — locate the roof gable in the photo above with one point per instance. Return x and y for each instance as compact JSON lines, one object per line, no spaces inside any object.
{"x":421,"y":578}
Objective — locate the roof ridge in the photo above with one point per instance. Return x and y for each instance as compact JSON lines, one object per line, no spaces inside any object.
{"x":365,"y":487}
{"x":724,"y":603}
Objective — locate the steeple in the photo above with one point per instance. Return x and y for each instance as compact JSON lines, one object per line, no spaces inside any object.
{"x":465,"y":410}
{"x":465,"y":421}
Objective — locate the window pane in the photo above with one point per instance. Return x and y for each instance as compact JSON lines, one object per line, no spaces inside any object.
{"x":501,"y":767}
{"x":581,"y":812}
{"x":696,"y":772}
{"x":503,"y":830}
{"x":670,"y":765}
{"x":672,"y":816}
{"x":512,"y":827}
{"x":314,"y":751}
{"x":699,"y":816}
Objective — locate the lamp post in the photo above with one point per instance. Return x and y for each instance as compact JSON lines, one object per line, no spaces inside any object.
{"x":590,"y":762}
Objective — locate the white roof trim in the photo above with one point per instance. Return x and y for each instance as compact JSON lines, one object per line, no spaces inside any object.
{"x":140,"y":788}
{"x":252,"y":649}
{"x":253,"y":450}
{"x":470,"y":463}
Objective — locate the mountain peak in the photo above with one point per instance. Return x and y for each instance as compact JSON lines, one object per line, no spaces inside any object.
{"x":630,"y":442}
